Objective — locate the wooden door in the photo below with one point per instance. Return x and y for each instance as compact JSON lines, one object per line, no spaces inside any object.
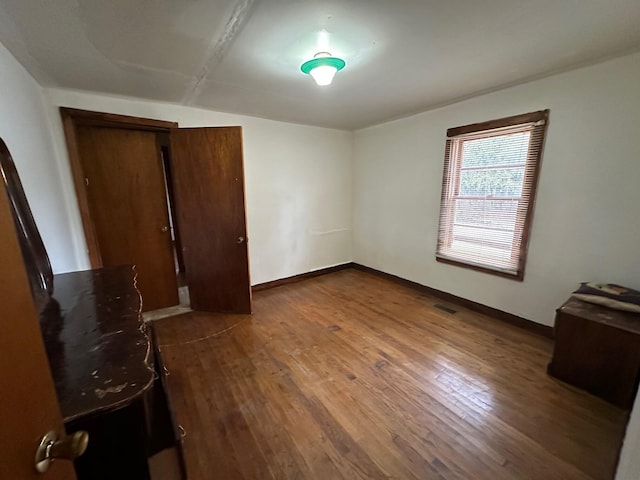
{"x":28,"y":403}
{"x":127,"y":198}
{"x":208,"y":176}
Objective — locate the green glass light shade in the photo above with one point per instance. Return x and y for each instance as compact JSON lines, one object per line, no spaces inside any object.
{"x":323,"y":67}
{"x":335,"y":62}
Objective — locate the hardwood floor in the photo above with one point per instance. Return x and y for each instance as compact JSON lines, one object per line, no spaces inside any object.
{"x":352,"y":376}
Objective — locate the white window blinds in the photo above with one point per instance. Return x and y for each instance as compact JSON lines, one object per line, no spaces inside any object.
{"x":488,"y":188}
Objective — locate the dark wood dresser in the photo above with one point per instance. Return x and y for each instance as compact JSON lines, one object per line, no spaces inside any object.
{"x":102,"y":362}
{"x":597,"y":349}
{"x":100,"y":354}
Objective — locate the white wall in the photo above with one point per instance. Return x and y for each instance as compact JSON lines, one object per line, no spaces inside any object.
{"x":298,"y":182}
{"x":25,"y":130}
{"x":586,"y":225}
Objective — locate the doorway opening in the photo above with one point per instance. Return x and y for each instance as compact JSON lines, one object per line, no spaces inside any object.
{"x":122,"y":175}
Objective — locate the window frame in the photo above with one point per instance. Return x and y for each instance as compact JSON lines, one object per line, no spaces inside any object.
{"x":526,"y":201}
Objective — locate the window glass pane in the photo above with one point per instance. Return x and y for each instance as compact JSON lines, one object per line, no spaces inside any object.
{"x":488,"y":188}
{"x":484,"y":228}
{"x":496,"y":214}
{"x":496,"y":254}
{"x":481,"y":236}
{"x":492,"y":151}
{"x":497,"y":182}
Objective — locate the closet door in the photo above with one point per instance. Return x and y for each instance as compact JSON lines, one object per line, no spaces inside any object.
{"x":125,"y":187}
{"x":208,"y":177}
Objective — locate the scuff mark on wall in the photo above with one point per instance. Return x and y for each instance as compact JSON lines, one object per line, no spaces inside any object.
{"x":329,"y":232}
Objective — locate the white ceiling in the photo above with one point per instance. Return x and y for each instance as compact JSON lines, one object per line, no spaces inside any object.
{"x":244,"y":56}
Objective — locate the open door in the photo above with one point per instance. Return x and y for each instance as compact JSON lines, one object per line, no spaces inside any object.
{"x":28,"y":404}
{"x":208,"y":177}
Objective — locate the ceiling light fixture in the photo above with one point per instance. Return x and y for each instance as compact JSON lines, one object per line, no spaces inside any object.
{"x":323,"y":67}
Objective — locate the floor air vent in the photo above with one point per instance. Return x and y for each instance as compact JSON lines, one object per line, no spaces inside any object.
{"x":445,"y":309}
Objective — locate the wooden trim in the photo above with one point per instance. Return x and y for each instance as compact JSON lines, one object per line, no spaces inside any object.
{"x":499,"y":123}
{"x":164,"y":144}
{"x":71,"y":119}
{"x":543,"y":330}
{"x":459,"y":263}
{"x":302,"y":276}
{"x":77,"y":173}
{"x":536,"y":160}
{"x":86,"y":117}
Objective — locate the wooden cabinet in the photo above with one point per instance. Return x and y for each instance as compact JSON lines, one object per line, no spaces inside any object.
{"x":97,"y":348}
{"x":102,"y":363}
{"x":597,"y":349}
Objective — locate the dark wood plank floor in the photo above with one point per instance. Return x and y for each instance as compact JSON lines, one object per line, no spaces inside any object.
{"x":352,"y":376}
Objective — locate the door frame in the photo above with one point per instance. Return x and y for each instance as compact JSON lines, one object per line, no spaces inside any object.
{"x":73,"y":118}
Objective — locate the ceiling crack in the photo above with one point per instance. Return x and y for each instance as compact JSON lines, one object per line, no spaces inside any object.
{"x":218,"y":49}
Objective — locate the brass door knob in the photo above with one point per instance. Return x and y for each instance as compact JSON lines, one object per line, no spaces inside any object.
{"x":52,"y":447}
{"x":164,"y":229}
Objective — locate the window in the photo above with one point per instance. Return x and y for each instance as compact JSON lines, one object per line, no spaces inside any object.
{"x":488,"y":188}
